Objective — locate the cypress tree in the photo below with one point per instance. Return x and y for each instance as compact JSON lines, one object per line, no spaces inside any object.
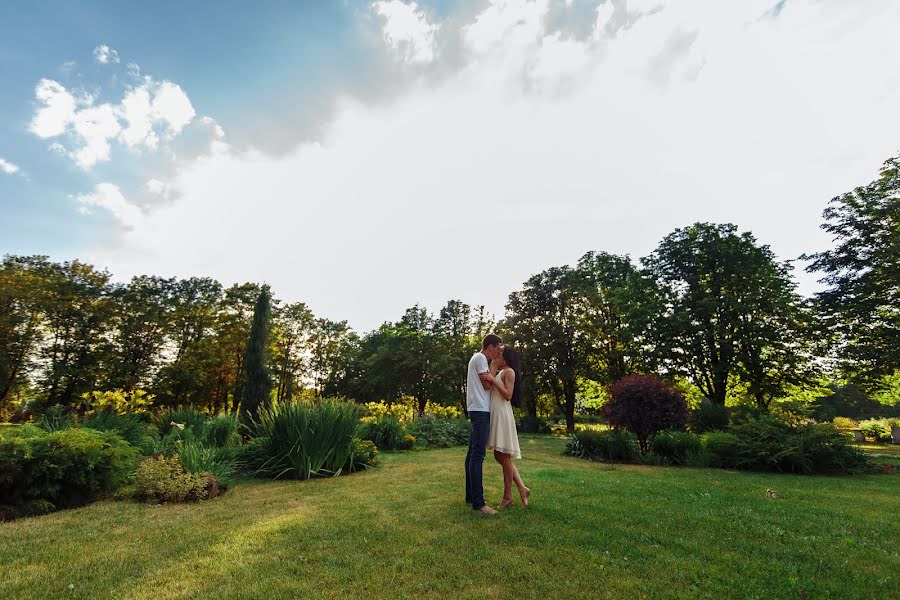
{"x":257,"y":383}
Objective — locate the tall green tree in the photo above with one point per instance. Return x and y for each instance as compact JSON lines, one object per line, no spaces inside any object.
{"x":457,"y":332}
{"x":546,"y":321}
{"x":141,"y":313}
{"x":334,"y":343}
{"x":257,"y":384}
{"x":720,"y":308}
{"x":23,"y":280}
{"x":292,"y":331}
{"x":78,"y":315}
{"x":861,"y":306}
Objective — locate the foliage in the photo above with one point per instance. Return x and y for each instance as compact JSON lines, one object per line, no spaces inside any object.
{"x":131,"y":428}
{"x":611,"y":444}
{"x":677,"y":447}
{"x":440,"y":432}
{"x":301,"y":440}
{"x":644,"y":405}
{"x":120,"y":402}
{"x":179,"y":418}
{"x":844,"y":423}
{"x":386,"y":431}
{"x":723,"y":447}
{"x":363,"y":454}
{"x":878,"y":429}
{"x":768,"y":444}
{"x":256,"y":387}
{"x":716,"y":307}
{"x":708,"y":416}
{"x":850,"y":401}
{"x":533,"y":424}
{"x":221,"y":431}
{"x":863,"y":277}
{"x":62,"y":469}
{"x":200,"y":459}
{"x":57,"y":418}
{"x":164,"y":479}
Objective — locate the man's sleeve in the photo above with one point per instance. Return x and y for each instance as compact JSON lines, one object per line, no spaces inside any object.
{"x":481,"y":363}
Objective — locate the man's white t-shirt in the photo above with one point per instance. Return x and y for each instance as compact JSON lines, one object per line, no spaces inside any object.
{"x":477,"y":398}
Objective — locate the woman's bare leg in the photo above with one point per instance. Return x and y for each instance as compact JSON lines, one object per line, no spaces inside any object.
{"x":524,"y":492}
{"x":503,"y":459}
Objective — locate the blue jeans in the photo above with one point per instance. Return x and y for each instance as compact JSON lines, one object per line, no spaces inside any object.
{"x":478,"y":437}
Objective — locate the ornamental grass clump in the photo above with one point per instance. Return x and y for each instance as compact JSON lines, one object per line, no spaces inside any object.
{"x":302,"y":439}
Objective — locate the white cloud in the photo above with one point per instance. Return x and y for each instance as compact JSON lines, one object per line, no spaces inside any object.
{"x":8,"y":167}
{"x":407,"y":30}
{"x":146,"y":111}
{"x":103,"y":54}
{"x":109,"y":197}
{"x":541,"y":147}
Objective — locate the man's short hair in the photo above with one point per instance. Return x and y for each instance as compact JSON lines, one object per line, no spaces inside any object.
{"x":490,"y":340}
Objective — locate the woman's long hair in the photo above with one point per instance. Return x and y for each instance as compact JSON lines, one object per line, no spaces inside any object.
{"x":511,"y":357}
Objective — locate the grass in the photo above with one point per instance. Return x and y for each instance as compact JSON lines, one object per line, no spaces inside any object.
{"x":402,"y":530}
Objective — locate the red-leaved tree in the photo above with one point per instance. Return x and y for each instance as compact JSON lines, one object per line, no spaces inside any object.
{"x":645,"y":405}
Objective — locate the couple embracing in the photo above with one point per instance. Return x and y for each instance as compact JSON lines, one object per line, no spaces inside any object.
{"x":491,"y":392}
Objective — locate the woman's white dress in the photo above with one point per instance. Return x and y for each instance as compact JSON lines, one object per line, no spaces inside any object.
{"x":503,"y":436}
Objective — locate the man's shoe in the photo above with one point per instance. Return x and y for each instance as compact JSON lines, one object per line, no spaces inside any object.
{"x":487,"y":510}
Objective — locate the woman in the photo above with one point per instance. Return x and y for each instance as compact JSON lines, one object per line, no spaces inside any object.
{"x":503,"y":439}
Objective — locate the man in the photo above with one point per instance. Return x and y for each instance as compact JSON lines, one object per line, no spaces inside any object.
{"x":478,"y":403}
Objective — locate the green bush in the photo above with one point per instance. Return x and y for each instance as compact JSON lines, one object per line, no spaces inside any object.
{"x":439,"y":432}
{"x":181,"y":419}
{"x":708,"y":416}
{"x":845,"y":423}
{"x":529,"y":424}
{"x":677,"y":447}
{"x":878,"y":430}
{"x":611,"y":444}
{"x":387,"y":432}
{"x":768,"y":444}
{"x":131,"y":428}
{"x":723,"y":448}
{"x":363,"y":454}
{"x":200,"y":459}
{"x":61,"y":469}
{"x":164,"y":479}
{"x":221,"y":431}
{"x":300,"y":440}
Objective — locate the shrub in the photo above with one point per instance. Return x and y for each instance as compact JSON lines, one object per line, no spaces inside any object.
{"x":845,"y":423}
{"x":769,"y":444}
{"x":386,"y":431}
{"x":611,"y":444}
{"x":708,"y":416}
{"x":529,"y":424}
{"x":129,"y":427}
{"x":644,"y":405}
{"x":723,"y":448}
{"x":363,"y":454}
{"x":439,"y":432}
{"x":677,"y":447}
{"x":221,"y":431}
{"x":163,"y":479}
{"x":199,"y":459}
{"x":300,"y":440}
{"x":878,"y":430}
{"x":186,"y":418}
{"x":57,"y":418}
{"x":61,"y":469}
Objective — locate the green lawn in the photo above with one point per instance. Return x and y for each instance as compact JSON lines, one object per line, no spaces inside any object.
{"x":402,"y":530}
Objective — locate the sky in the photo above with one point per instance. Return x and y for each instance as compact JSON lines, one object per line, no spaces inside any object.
{"x":366,"y":156}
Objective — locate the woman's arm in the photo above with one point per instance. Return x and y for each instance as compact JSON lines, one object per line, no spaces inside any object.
{"x":506,"y":387}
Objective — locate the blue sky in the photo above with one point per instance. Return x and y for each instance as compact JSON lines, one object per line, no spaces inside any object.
{"x":403,"y":152}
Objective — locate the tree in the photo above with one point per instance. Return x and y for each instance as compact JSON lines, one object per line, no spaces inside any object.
{"x":257,"y":384}
{"x":546,"y":320}
{"x":861,"y":306}
{"x":609,"y":287}
{"x":718,"y":307}
{"x":142,"y":310}
{"x":333,"y":346}
{"x":291,"y":337}
{"x":78,"y":314}
{"x":645,"y":405}
{"x":457,"y":332}
{"x":22,"y":283}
